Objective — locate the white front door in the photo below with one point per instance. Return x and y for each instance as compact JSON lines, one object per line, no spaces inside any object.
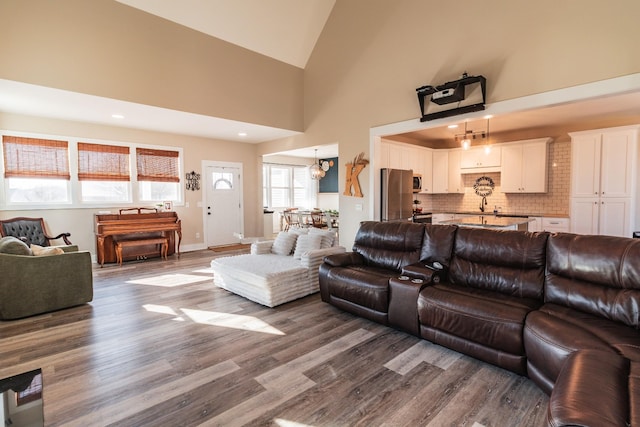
{"x":223,"y":206}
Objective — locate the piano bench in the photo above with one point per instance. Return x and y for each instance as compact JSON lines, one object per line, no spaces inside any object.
{"x":130,"y":242}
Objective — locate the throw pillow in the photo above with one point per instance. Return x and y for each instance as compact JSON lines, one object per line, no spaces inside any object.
{"x":283,"y":245}
{"x":306,"y":243}
{"x":328,"y":237}
{"x":51,"y":250}
{"x":14,"y":246}
{"x":298,"y":230}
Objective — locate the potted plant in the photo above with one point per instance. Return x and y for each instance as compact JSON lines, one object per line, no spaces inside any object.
{"x":416,"y":209}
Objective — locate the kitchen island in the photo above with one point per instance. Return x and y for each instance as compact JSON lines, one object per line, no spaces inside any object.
{"x":492,"y":221}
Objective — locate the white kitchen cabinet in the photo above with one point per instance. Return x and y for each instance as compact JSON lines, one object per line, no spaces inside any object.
{"x":479,"y":160}
{"x":603,"y":181}
{"x":399,"y":156}
{"x":602,"y":163}
{"x":535,"y":224}
{"x":598,"y":215}
{"x":440,"y":171}
{"x":423,"y":157}
{"x":524,"y":166}
{"x":455,"y":182}
{"x":555,"y":225}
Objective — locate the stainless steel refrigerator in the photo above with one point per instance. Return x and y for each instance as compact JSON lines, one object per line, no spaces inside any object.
{"x":397,"y":195}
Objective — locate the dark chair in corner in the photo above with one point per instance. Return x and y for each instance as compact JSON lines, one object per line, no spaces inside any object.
{"x":30,"y":230}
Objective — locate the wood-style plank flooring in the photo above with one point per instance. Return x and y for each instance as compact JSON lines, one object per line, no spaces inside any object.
{"x":161,"y":346}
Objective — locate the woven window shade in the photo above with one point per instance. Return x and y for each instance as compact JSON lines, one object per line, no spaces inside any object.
{"x":98,"y":162}
{"x":35,"y":158}
{"x":157,"y":165}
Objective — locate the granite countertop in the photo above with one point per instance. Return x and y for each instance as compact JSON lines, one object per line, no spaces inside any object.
{"x":489,"y":221}
{"x":490,"y":213}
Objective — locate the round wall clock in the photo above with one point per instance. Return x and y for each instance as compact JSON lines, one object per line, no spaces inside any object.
{"x":324,"y":165}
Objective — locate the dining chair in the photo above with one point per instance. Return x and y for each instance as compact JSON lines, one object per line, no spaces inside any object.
{"x":317,"y":219}
{"x":291,"y":218}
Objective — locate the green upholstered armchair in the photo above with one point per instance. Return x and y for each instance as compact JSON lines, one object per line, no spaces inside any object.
{"x":33,"y":285}
{"x":30,"y":230}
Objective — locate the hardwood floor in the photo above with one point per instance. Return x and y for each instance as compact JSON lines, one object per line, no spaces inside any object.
{"x":161,"y":346}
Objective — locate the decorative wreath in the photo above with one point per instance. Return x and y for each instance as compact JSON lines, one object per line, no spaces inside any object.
{"x":484,"y":186}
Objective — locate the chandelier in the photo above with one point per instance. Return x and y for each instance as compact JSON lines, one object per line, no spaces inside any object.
{"x":317,"y":172}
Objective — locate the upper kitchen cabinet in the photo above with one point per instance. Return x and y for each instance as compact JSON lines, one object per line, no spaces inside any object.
{"x":524,"y":166}
{"x":603,"y":181}
{"x":602,"y":163}
{"x":446,"y":172}
{"x":479,"y":160}
{"x":406,"y":156}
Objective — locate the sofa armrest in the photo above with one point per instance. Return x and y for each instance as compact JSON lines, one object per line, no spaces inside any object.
{"x":344,"y":259}
{"x":37,"y":284}
{"x":314,"y":258}
{"x":261,"y":248}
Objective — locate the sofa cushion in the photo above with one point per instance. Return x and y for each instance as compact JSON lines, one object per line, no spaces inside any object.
{"x":38,"y":250}
{"x":361,"y":285}
{"x":492,"y":319}
{"x":306,"y":243}
{"x":437,"y":244}
{"x":599,"y":275}
{"x":509,"y":262}
{"x":13,"y":246}
{"x":328,"y":237}
{"x":284,"y":243}
{"x":389,"y":245}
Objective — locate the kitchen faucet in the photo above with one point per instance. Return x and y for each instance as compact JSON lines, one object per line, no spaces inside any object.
{"x":483,"y":203}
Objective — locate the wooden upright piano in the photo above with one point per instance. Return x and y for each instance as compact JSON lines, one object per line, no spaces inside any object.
{"x":135,"y":226}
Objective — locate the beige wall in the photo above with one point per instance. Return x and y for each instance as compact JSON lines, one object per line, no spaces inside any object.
{"x":105,"y":48}
{"x":363,"y":72}
{"x":79,"y":222}
{"x":372,"y":55}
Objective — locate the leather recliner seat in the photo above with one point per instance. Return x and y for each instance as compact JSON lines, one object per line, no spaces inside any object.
{"x":495,"y":280}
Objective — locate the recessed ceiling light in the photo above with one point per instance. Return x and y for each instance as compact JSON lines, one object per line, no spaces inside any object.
{"x":452,"y":126}
{"x":117,"y":116}
{"x":242,"y":134}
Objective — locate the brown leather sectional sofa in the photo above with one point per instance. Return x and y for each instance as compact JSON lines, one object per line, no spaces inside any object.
{"x":563,"y":309}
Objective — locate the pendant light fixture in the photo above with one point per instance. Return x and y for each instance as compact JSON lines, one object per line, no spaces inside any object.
{"x":487,"y":144}
{"x":315,"y":169}
{"x":466,"y":142}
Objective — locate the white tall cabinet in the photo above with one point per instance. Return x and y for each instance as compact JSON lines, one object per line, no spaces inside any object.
{"x":604,"y":180}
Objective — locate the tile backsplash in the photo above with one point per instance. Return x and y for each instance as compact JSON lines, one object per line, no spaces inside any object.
{"x":555,"y":202}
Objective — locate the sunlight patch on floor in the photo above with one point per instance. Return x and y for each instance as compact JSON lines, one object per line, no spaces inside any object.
{"x":286,"y":423}
{"x":234,"y":321}
{"x":170,"y":280}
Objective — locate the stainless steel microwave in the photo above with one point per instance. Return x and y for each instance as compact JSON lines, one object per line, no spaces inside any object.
{"x":417,"y":183}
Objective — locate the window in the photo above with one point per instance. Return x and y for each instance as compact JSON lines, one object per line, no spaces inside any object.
{"x":158,"y":174}
{"x":287,"y":186}
{"x":103,"y":172}
{"x":36,"y":170}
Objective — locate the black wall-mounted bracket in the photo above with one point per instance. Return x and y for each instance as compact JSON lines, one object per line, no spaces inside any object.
{"x":458,"y":87}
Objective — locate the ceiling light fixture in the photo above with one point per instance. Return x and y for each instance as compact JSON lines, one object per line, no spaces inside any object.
{"x":117,"y":116}
{"x":242,"y":134}
{"x":487,"y":144}
{"x":466,"y":137}
{"x":315,"y":169}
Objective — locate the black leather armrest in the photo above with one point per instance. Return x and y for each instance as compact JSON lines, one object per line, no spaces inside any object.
{"x":344,"y":259}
